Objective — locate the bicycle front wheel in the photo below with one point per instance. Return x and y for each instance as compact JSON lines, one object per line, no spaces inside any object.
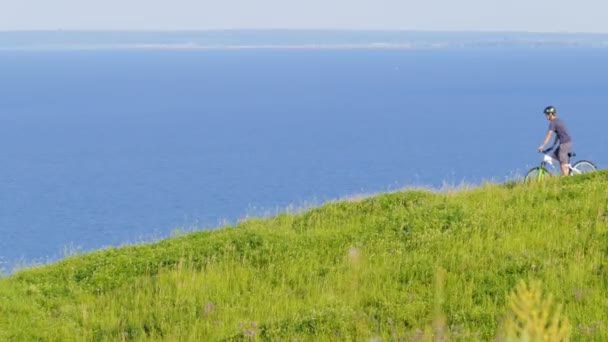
{"x":537,"y":174}
{"x":583,"y":166}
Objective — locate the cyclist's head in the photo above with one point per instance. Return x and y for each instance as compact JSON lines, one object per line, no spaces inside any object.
{"x":550,"y":110}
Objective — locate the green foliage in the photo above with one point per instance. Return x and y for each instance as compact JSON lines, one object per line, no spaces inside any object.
{"x":534,"y":318}
{"x":407,"y":265}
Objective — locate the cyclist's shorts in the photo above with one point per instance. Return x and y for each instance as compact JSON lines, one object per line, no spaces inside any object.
{"x":561,"y":153}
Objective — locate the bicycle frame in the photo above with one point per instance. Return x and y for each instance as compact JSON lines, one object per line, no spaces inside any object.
{"x":548,"y":159}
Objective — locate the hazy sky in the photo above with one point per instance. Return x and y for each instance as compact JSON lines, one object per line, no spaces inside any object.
{"x":449,"y":15}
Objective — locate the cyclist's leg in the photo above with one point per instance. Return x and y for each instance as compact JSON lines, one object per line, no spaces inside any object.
{"x":555,"y":153}
{"x":562,"y":155}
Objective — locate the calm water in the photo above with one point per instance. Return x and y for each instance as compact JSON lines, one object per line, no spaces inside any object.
{"x":105,"y":148}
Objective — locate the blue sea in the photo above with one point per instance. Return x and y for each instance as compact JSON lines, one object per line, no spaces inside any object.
{"x":104,"y":148}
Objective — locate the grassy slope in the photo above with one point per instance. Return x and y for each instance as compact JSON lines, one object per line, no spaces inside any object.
{"x":346,"y":270}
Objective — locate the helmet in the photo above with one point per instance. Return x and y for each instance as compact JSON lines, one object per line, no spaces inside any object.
{"x":550,"y":110}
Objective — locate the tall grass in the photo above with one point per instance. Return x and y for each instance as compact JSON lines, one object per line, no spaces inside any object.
{"x":407,"y":265}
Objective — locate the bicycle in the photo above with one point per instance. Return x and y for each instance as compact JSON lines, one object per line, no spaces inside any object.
{"x":541,"y":171}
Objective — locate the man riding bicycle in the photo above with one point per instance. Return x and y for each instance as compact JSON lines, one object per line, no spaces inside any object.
{"x":561,"y":136}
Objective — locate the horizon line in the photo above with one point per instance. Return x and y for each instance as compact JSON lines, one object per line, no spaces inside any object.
{"x":59,"y":30}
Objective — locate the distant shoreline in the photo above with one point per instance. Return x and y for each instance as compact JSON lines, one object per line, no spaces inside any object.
{"x":178,"y":47}
{"x":290,"y":39}
{"x":217,"y":47}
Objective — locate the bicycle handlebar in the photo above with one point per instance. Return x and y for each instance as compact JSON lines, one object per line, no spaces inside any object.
{"x":546,"y":150}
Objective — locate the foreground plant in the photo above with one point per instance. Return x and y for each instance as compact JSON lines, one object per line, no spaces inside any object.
{"x":534,"y":317}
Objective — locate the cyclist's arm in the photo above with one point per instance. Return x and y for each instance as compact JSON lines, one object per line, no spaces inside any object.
{"x":555,"y":142}
{"x":546,"y":140}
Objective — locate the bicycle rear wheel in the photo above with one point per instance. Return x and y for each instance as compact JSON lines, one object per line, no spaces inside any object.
{"x":537,"y":174}
{"x":583,"y":166}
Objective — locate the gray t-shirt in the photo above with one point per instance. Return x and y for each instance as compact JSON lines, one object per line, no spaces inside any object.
{"x":560,"y":130}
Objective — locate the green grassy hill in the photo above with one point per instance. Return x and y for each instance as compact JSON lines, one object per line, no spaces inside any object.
{"x":409,"y":265}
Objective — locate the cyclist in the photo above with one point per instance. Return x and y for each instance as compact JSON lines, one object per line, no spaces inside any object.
{"x":561,"y":136}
